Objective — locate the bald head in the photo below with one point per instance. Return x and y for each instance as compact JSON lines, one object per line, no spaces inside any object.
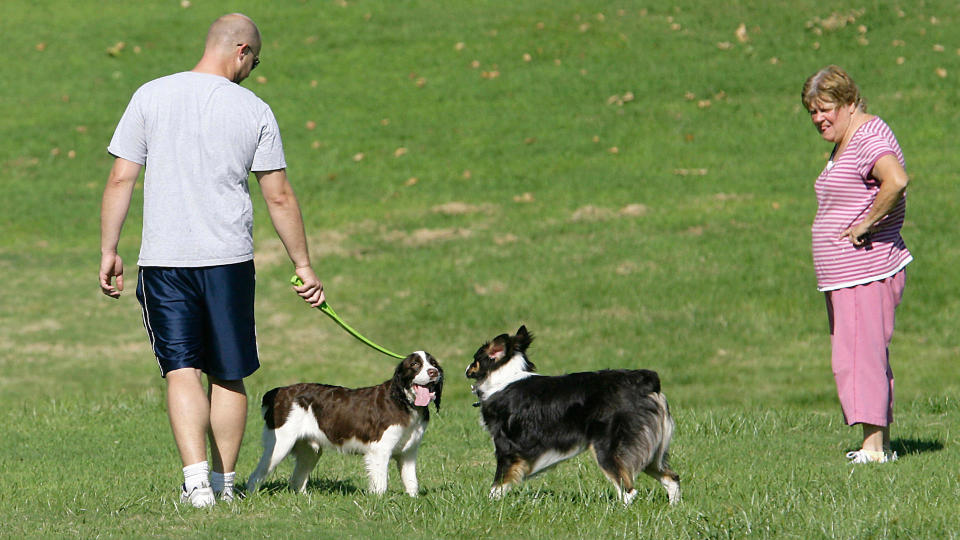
{"x":232,"y":49}
{"x":231,"y":30}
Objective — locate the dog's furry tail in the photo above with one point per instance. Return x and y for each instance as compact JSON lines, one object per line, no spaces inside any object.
{"x":266,"y":406}
{"x":666,"y":426}
{"x":640,"y":381}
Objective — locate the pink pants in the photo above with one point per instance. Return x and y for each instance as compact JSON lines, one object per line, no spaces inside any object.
{"x":861,"y":327}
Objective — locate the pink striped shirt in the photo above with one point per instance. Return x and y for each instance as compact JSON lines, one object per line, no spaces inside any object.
{"x":845,"y":192}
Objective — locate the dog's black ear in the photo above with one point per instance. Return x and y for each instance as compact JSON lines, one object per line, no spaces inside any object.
{"x":403,"y":369}
{"x":401,"y":377}
{"x":523,"y":339}
{"x":437,"y":386}
{"x":438,"y":390}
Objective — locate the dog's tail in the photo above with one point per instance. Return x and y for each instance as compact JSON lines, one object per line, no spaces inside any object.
{"x":266,"y":406}
{"x":659,"y":425}
{"x":666,"y":425}
{"x":639,"y":381}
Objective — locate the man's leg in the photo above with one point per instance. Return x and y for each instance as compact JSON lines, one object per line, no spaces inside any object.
{"x":189,"y":413}
{"x":228,"y":419}
{"x":232,"y":355}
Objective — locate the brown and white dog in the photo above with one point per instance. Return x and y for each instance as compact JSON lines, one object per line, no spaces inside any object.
{"x":538,"y":421}
{"x":381,"y":422}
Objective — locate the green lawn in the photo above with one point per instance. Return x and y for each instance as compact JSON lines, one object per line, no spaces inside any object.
{"x":634,"y":182}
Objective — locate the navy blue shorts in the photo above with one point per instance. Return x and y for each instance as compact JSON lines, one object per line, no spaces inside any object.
{"x":201,"y":318}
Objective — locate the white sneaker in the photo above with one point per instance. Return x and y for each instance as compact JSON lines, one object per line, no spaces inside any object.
{"x":199,"y":497}
{"x":228,"y":495}
{"x":867,"y":456}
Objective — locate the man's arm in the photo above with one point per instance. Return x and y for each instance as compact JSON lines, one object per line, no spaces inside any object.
{"x":113,"y":212}
{"x":288,"y":222}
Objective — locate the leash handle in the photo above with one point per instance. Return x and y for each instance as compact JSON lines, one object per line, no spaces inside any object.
{"x":326,"y":309}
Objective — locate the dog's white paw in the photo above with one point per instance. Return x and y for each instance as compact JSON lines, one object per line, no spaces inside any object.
{"x":497,"y":492}
{"x":673,"y":491}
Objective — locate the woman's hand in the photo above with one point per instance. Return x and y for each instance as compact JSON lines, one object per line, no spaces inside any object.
{"x":859,"y":234}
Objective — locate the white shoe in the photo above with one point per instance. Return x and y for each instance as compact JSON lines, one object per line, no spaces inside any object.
{"x":867,"y":456}
{"x":199,"y":497}
{"x":228,"y":495}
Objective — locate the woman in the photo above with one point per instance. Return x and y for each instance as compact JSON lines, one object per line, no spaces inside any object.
{"x":858,"y":253}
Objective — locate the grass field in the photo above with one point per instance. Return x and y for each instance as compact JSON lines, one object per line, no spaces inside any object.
{"x":633,"y":181}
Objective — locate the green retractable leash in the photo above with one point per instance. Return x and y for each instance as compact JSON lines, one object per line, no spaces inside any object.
{"x":324,"y":307}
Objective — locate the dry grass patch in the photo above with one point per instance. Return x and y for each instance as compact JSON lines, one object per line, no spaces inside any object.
{"x":494,"y":287}
{"x":456,"y":208}
{"x":599,"y":213}
{"x":422,"y":237}
{"x":270,"y":252}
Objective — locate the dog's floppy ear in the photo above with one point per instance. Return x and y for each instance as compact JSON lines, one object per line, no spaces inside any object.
{"x":404,"y":369}
{"x":522,"y":339}
{"x":437,"y":387}
{"x":401,"y":377}
{"x":438,"y":390}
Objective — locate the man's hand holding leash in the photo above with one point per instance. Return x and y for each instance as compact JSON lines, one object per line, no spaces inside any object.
{"x":310,"y":289}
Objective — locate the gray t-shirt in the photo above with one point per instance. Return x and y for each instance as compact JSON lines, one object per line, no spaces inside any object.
{"x":200,"y":136}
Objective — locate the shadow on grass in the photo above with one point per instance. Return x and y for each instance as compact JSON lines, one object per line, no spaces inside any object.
{"x":648,"y":493}
{"x":321,"y":485}
{"x":915,"y":446}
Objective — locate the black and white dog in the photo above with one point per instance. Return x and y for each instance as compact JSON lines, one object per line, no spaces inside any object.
{"x":538,"y":421}
{"x":382,"y":422}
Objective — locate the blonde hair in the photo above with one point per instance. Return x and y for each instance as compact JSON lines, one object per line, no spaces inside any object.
{"x":832,"y":85}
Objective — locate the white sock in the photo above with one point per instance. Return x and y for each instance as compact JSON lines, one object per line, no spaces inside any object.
{"x":196,"y":476}
{"x":221,"y":481}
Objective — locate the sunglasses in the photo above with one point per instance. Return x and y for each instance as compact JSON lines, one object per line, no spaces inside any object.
{"x":256,"y":59}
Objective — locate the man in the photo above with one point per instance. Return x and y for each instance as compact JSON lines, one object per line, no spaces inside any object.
{"x":200,"y":135}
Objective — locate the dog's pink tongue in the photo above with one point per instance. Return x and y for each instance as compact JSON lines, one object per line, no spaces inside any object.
{"x":423,"y":396}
